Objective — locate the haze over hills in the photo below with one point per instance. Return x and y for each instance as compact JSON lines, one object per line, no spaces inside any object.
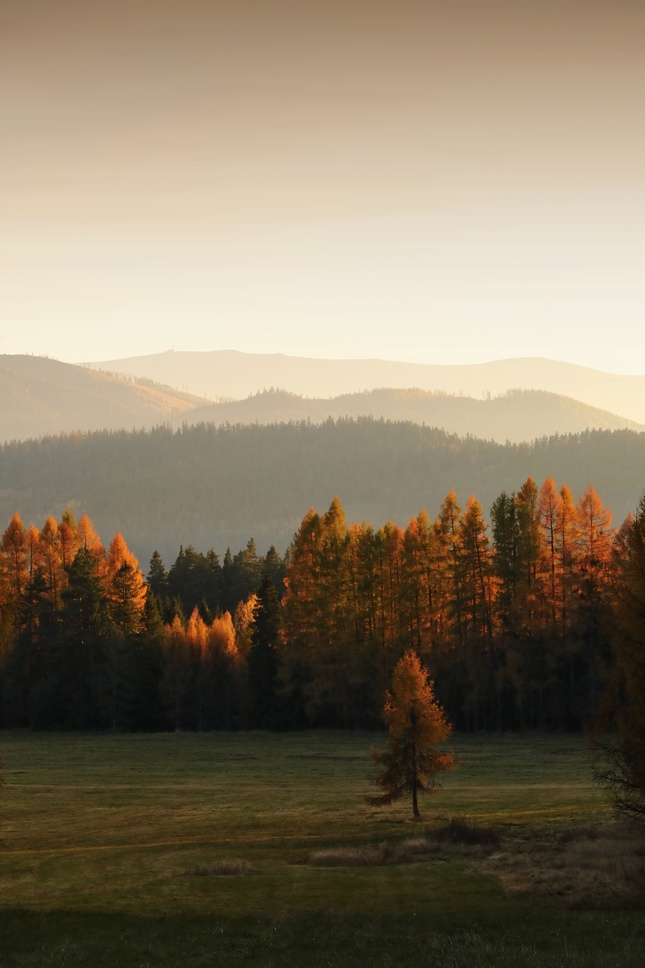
{"x":518,"y":415}
{"x":229,"y":373}
{"x":41,"y":396}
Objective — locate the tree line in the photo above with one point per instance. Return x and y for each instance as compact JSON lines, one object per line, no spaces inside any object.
{"x":511,"y":618}
{"x":208,"y":485}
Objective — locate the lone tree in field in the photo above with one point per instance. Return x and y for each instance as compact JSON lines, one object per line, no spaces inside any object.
{"x":416,"y":722}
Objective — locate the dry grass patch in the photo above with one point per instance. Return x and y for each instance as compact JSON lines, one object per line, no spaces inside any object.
{"x":374,"y":855}
{"x":228,"y":867}
{"x":578,"y":866}
{"x":456,"y":835}
{"x":465,"y":833}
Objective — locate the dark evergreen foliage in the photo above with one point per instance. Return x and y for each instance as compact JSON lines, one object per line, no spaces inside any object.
{"x":262,"y":659}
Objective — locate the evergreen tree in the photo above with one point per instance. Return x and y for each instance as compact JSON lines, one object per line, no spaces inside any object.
{"x":275,"y":568}
{"x":620,"y":741}
{"x":85,"y":629}
{"x":506,"y":554}
{"x":157,"y":577}
{"x":262,"y":660}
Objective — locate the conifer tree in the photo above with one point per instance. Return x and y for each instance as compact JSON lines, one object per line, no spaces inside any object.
{"x":620,"y":741}
{"x":14,"y":552}
{"x":549,"y":502}
{"x":50,"y":543}
{"x":85,"y":629}
{"x":262,"y":659}
{"x":506,"y":554}
{"x":158,"y":577}
{"x":416,"y":723}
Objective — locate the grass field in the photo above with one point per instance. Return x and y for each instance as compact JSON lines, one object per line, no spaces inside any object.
{"x":257,"y":849}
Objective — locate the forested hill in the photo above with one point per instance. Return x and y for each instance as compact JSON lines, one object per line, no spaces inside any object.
{"x":215,"y":487}
{"x":42,"y":396}
{"x":516,"y":416}
{"x":39,"y":396}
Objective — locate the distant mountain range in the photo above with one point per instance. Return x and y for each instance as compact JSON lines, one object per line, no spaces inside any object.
{"x":40,"y":396}
{"x":518,"y":415}
{"x":227,"y":373}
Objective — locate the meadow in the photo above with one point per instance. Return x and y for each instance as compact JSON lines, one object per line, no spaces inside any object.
{"x":258,"y":849}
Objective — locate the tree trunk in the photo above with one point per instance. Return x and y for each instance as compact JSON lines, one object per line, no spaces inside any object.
{"x":415,"y":805}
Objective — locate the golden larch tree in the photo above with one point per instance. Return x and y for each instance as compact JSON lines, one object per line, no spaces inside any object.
{"x":416,"y":724}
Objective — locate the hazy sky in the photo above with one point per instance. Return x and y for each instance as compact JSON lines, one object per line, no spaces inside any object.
{"x":442,"y":182}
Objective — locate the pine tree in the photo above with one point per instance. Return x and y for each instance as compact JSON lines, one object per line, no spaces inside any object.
{"x":262,"y":661}
{"x":85,"y":631}
{"x":506,"y":555}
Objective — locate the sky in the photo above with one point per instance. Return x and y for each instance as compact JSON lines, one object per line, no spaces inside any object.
{"x":438,"y":182}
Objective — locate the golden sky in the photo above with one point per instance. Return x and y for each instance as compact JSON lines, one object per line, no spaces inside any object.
{"x":436,"y":181}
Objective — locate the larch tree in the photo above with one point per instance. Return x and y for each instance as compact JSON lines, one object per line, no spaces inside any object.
{"x":50,"y":543}
{"x":447,"y":532}
{"x":595,"y":576}
{"x":126,"y":588}
{"x":69,"y":538}
{"x":416,"y":723}
{"x":549,"y":502}
{"x":14,"y":551}
{"x":475,"y":564}
{"x":88,"y":538}
{"x":567,"y":554}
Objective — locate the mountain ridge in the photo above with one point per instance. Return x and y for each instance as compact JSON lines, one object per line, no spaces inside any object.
{"x":233,"y":373}
{"x":40,"y":397}
{"x":516,"y":416}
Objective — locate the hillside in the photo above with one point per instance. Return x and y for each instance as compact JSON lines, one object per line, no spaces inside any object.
{"x":228,"y":373}
{"x":40,"y":396}
{"x":218,"y":487}
{"x":516,"y":416}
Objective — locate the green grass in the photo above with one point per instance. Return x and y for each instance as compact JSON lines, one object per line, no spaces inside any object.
{"x":193,"y":849}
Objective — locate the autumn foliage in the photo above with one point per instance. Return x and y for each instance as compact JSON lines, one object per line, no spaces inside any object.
{"x":510,"y":614}
{"x":416,"y":724}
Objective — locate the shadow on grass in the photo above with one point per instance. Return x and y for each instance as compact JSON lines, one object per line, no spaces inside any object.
{"x":545,"y":939}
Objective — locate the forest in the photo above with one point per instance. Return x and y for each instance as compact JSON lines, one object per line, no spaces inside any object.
{"x":513,"y":619}
{"x":215,"y":486}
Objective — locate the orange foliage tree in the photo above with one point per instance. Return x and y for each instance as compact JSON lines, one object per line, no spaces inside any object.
{"x":416,"y":723}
